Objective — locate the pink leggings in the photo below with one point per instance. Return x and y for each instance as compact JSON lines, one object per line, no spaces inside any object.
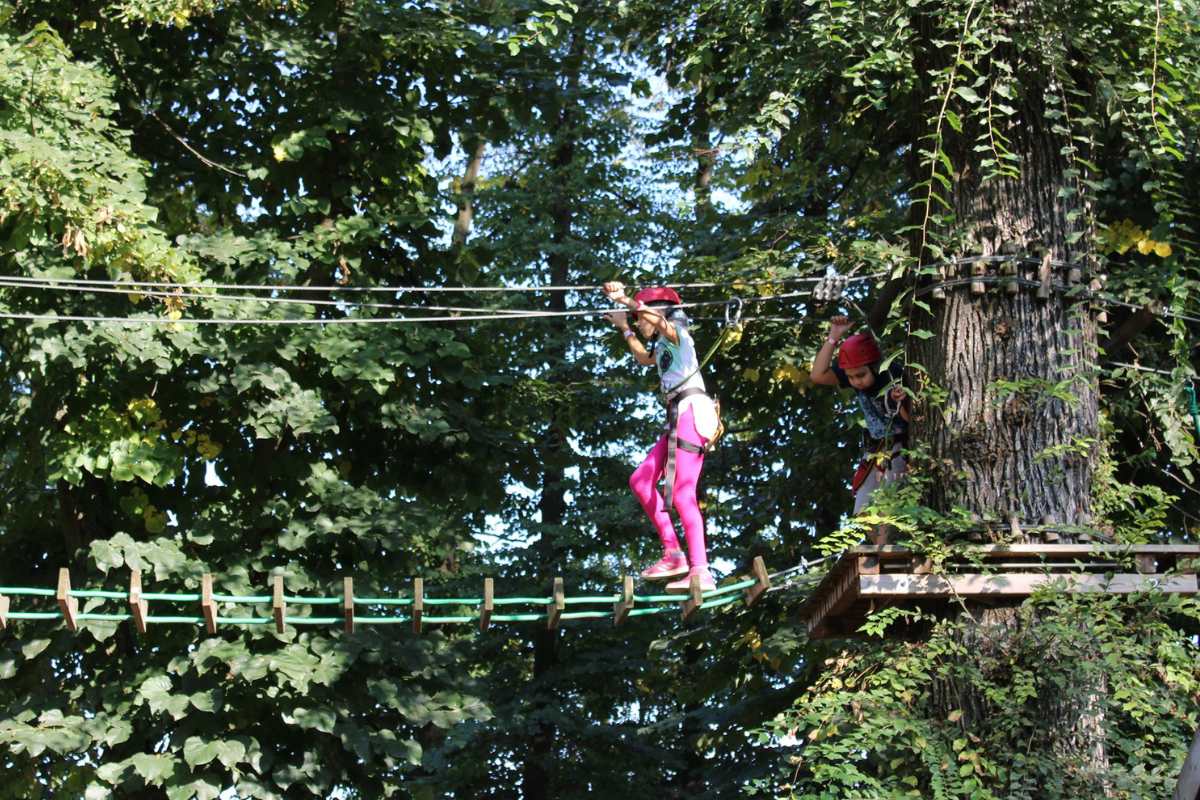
{"x":644,"y":483}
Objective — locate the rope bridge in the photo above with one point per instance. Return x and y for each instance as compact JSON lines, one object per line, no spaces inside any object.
{"x":417,"y":607}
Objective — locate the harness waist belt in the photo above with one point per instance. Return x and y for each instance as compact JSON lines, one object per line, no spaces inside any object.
{"x":674,"y":397}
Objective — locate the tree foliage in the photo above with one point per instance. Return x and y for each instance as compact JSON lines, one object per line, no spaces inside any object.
{"x":328,"y":143}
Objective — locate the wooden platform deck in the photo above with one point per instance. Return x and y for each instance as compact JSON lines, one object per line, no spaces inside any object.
{"x":870,"y":578}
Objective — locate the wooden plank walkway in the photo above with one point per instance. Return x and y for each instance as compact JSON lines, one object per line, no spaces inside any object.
{"x":870,"y":578}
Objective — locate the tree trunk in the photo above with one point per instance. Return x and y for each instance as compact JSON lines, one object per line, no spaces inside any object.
{"x":466,"y":208}
{"x":1019,"y":420}
{"x":552,"y":505}
{"x":1009,"y":413}
{"x":705,"y":154}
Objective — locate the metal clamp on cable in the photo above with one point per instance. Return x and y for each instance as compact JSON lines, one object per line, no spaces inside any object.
{"x":830,"y":287}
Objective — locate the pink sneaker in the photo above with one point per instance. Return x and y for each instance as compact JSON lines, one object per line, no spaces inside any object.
{"x":672,"y":565}
{"x":684,"y":584}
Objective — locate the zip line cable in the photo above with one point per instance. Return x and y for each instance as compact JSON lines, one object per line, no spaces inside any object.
{"x":491,"y":314}
{"x":409,"y":289}
{"x":249,"y":298}
{"x":168,"y":290}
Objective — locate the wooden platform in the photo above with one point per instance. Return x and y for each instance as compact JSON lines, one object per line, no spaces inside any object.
{"x":870,"y":578}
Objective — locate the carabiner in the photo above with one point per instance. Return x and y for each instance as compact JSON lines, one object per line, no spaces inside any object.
{"x":733,"y":312}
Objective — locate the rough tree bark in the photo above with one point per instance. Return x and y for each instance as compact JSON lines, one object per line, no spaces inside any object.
{"x":466,"y":207}
{"x":537,"y":780}
{"x":1009,"y":414}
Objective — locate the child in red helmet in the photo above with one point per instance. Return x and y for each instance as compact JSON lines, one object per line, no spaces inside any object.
{"x":678,"y":456}
{"x":882,"y":399}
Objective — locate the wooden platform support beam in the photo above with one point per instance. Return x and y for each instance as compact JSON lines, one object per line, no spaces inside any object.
{"x":695,"y":598}
{"x":489,"y":604}
{"x":622,"y":607}
{"x":138,"y":607}
{"x":554,"y":609}
{"x":208,"y":607}
{"x":762,"y":582}
{"x":68,"y":605}
{"x":1016,"y":584}
{"x":278,"y":607}
{"x":348,"y":604}
{"x":867,"y":577}
{"x":4,"y":601}
{"x":418,"y":604}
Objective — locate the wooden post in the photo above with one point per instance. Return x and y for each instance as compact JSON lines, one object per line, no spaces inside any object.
{"x":554,"y":609}
{"x":489,"y":604}
{"x":67,"y":604}
{"x":348,"y":605}
{"x":978,"y":270}
{"x":418,"y":604}
{"x":1014,"y":529}
{"x":1010,"y":271}
{"x":759,"y":569}
{"x":1045,"y":278}
{"x":207,"y":607}
{"x":137,"y":605}
{"x":622,"y":607}
{"x":939,"y":292}
{"x":695,"y":598}
{"x":278,"y":607}
{"x":3,"y":612}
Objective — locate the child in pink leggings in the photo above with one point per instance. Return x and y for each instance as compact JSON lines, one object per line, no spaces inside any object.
{"x":678,"y":456}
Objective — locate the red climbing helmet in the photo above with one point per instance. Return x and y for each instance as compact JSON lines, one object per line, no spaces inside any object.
{"x":859,"y":350}
{"x":658,"y":294}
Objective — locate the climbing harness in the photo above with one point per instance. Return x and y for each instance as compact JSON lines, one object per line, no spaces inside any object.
{"x":672,"y":396}
{"x":862,"y":350}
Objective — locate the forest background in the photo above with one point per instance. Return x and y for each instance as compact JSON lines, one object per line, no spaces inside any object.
{"x":344,"y":143}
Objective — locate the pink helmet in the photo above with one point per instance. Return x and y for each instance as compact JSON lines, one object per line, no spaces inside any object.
{"x":859,"y":350}
{"x":658,"y":294}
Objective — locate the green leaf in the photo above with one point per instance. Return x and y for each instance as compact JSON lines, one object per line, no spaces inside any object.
{"x":197,"y":752}
{"x":154,"y":767}
{"x":34,"y":647}
{"x":111,"y":773}
{"x":968,"y":94}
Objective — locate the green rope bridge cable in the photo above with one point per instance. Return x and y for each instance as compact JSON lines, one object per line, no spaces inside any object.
{"x":617,"y":606}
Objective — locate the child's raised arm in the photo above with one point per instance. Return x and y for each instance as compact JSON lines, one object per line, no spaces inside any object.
{"x":620,"y":320}
{"x":821,"y":373}
{"x":615,"y":291}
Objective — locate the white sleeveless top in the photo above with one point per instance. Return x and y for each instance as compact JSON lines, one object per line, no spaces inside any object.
{"x":678,"y":370}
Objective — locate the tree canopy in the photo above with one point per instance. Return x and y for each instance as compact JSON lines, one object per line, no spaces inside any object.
{"x":748,"y":149}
